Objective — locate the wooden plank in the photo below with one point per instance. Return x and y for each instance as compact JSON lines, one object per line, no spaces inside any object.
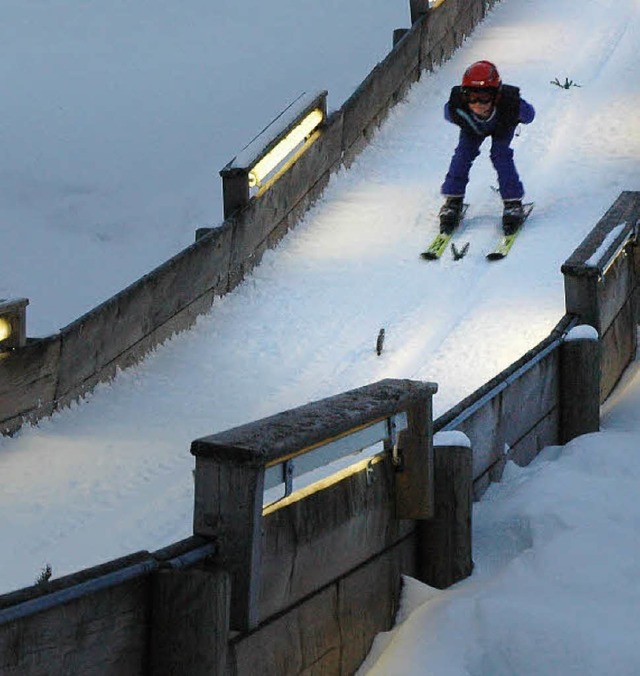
{"x":289,"y":432}
{"x":414,"y":492}
{"x":615,"y":289}
{"x":445,"y":28}
{"x":181,"y":321}
{"x":544,"y":433}
{"x":305,"y":640}
{"x":28,"y":381}
{"x":190,"y":620}
{"x":580,"y":386}
{"x":369,"y":599}
{"x":325,"y":534}
{"x":486,"y":433}
{"x":501,"y":412}
{"x":444,"y":542}
{"x":102,"y":335}
{"x":379,"y":91}
{"x":624,"y":211}
{"x":331,"y":631}
{"x":618,"y":348}
{"x":507,"y":419}
{"x":101,"y":634}
{"x":581,"y":298}
{"x":531,"y":397}
{"x":228,"y":507}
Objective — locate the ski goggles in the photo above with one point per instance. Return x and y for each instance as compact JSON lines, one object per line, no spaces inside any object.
{"x":482,"y":96}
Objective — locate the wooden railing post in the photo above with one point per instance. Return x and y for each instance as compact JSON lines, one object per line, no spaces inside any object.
{"x":190,"y":622}
{"x":444,"y":542}
{"x":235,"y":191}
{"x":414,"y":475}
{"x":417,"y":9}
{"x":228,"y":507}
{"x":579,"y":383}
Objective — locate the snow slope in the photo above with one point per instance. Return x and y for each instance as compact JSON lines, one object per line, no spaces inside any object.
{"x":113,"y":474}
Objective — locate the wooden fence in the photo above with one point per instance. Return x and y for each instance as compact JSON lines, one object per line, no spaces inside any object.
{"x":304,"y":581}
{"x":303,"y":585}
{"x":51,"y":372}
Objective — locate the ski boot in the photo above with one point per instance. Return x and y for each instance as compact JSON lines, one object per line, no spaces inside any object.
{"x":512,"y":216}
{"x":450,"y":213}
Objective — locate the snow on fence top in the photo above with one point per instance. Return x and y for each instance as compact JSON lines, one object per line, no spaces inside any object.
{"x":594,"y":260}
{"x":614,"y":232}
{"x":581,"y":332}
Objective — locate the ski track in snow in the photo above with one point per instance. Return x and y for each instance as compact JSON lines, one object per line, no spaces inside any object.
{"x":113,"y":474}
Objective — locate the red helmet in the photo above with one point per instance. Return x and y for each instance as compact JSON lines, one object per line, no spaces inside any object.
{"x":481,"y":75}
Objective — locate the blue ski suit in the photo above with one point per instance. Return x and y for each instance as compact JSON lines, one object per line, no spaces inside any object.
{"x":509,"y":111}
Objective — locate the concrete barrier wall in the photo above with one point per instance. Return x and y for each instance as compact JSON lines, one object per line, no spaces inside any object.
{"x":52,"y":372}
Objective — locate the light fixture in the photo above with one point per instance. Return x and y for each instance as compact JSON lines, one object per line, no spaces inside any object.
{"x":285,"y":147}
{"x":5,"y":328}
{"x":12,"y":323}
{"x":266,"y":158}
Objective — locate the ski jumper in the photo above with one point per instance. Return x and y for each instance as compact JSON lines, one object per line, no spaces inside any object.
{"x":510,"y":110}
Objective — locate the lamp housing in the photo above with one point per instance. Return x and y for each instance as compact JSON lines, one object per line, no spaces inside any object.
{"x":12,"y":323}
{"x":273,"y":150}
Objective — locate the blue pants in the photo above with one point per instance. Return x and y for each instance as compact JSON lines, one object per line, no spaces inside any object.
{"x":501,"y":155}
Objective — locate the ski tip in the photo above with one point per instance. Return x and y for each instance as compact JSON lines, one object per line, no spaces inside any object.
{"x":429,"y":256}
{"x":495,"y":256}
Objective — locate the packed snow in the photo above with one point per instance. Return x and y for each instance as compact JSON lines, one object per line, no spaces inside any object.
{"x":110,"y":166}
{"x":557,"y":560}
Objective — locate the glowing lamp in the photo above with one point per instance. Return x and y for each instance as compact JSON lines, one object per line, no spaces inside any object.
{"x":285,"y":147}
{"x":273,"y":151}
{"x":5,"y":329}
{"x":12,"y":323}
